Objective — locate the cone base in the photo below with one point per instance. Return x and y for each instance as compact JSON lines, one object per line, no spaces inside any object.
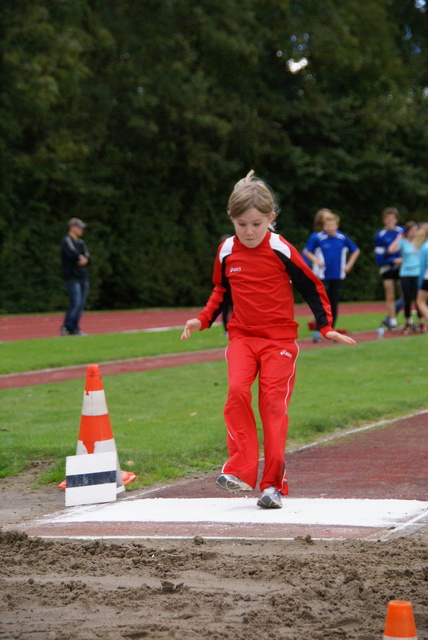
{"x":127,"y":477}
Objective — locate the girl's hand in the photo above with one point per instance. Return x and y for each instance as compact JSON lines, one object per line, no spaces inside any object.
{"x":191,"y":325}
{"x":340,"y":337}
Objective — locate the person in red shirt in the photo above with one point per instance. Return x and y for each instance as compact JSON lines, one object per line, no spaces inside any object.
{"x":256,"y":269}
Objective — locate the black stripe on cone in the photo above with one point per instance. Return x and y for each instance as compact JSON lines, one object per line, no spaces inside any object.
{"x":89,"y":479}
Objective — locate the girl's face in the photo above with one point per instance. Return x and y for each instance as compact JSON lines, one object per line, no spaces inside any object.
{"x":252,"y":227}
{"x":411,"y":233}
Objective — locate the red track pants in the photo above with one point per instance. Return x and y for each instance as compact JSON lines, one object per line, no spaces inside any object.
{"x":275,"y":363}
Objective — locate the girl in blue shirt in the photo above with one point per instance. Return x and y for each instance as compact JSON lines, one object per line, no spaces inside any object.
{"x":422,"y":297}
{"x":409,"y":245}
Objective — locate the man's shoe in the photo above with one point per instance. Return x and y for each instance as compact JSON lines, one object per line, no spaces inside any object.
{"x":64,"y":332}
{"x":270,"y":499}
{"x":232,"y":483}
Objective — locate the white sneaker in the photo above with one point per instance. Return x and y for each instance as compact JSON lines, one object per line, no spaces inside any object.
{"x":270,"y":499}
{"x":232,"y":483}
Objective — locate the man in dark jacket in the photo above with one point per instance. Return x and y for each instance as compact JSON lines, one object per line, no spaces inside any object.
{"x":75,"y":258}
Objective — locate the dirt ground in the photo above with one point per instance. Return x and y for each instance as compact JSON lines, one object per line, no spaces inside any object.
{"x":197,"y":588}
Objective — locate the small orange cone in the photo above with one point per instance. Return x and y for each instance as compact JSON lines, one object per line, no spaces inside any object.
{"x":95,"y":434}
{"x":400,"y":624}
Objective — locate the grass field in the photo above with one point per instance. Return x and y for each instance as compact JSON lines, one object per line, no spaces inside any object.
{"x":168,"y":422}
{"x":46,"y":353}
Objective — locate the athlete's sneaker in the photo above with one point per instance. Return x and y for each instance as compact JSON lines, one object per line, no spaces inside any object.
{"x":270,"y":499}
{"x":232,"y":483}
{"x":409,"y":329}
{"x":64,"y":332}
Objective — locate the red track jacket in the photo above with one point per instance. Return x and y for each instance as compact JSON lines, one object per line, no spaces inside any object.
{"x":257,"y":282}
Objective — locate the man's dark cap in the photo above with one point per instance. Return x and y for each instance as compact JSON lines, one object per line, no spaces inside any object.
{"x":76,"y":222}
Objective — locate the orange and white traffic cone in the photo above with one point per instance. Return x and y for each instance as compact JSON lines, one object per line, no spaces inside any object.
{"x":95,"y":434}
{"x":400,"y":623}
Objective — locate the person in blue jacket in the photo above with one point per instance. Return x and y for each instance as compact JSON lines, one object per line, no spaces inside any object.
{"x":389,"y":265}
{"x":334,"y":262}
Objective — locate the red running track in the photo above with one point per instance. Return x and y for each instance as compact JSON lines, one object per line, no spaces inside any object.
{"x":23,"y":327}
{"x":144,"y":320}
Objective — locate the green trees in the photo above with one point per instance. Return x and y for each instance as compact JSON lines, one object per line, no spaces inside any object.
{"x":139,"y":118}
{"x":46,"y":139}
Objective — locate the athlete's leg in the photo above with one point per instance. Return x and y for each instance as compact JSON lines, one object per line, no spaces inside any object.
{"x":333,"y":289}
{"x":406,"y":287}
{"x":242,"y":440}
{"x":389,"y":285}
{"x":422,"y":299}
{"x":414,"y":294}
{"x":276,"y":382}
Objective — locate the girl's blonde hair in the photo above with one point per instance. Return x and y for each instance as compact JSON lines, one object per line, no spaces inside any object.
{"x":319,"y":218}
{"x":421,"y":235}
{"x":252,"y":193}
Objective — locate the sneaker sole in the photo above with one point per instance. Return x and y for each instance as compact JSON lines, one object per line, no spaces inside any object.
{"x":269,"y":502}
{"x":231,"y":486}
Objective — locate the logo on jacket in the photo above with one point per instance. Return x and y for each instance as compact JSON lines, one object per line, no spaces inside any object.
{"x":286,"y":353}
{"x":234,"y":269}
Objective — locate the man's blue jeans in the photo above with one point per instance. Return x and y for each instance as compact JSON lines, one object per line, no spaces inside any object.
{"x":77,"y":292}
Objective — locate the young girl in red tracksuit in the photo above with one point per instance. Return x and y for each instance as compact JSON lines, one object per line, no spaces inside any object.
{"x":255,"y":269}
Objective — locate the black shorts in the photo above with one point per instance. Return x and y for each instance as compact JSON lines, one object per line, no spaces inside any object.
{"x":424,"y":285}
{"x":391,"y":274}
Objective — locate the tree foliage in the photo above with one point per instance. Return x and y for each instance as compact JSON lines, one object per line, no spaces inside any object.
{"x":140,"y":117}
